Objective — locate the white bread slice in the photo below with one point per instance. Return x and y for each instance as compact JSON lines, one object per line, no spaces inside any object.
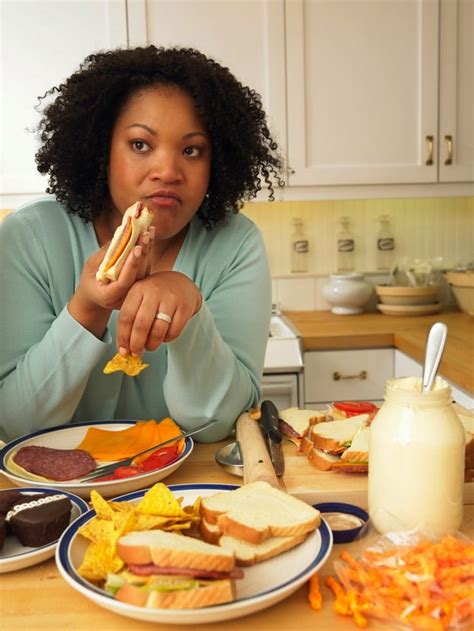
{"x":336,"y":436}
{"x":295,"y":423}
{"x":247,"y":553}
{"x":139,"y":217}
{"x":214,"y":593}
{"x":168,"y":549}
{"x":359,"y":448}
{"x":322,"y":460}
{"x":257,"y":511}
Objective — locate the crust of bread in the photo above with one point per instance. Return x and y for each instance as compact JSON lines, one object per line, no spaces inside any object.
{"x":210,"y":533}
{"x":257,"y":511}
{"x":176,"y":551}
{"x":216,"y":592}
{"x":321,"y":460}
{"x":139,"y":225}
{"x":350,"y":467}
{"x":330,"y":445}
{"x":359,"y":457}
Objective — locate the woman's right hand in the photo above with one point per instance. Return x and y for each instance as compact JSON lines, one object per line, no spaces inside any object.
{"x":93,"y":300}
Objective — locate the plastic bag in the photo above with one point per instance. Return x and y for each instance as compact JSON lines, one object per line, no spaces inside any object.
{"x":411,"y":581}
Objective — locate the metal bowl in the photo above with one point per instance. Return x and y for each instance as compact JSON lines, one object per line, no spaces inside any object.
{"x":230,"y":458}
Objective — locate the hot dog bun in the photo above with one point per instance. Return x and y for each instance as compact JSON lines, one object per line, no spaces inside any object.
{"x":135,"y":221}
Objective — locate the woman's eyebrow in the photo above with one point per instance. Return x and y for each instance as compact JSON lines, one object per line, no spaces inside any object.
{"x":148,"y":129}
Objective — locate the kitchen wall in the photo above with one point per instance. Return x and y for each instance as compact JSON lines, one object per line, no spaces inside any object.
{"x":422,"y":227}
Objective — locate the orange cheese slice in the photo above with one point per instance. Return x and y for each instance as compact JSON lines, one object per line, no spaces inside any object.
{"x":124,"y":239}
{"x":109,"y":445}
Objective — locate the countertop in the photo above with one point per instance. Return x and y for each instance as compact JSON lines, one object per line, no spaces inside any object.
{"x":38,"y":598}
{"x":322,"y":330}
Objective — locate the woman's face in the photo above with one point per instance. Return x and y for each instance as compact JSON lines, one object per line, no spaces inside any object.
{"x":161,"y":154}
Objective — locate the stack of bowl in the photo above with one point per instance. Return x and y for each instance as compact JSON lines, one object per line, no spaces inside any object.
{"x":462,"y":284}
{"x":416,"y":301}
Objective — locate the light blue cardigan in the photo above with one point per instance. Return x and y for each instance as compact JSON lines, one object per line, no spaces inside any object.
{"x":51,"y":367}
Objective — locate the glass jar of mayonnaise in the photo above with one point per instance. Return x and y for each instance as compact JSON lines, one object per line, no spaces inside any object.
{"x":416,"y":460}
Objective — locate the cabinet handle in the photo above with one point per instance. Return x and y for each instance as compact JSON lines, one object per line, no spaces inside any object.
{"x":449,"y":142}
{"x":429,"y":160}
{"x":362,"y":375}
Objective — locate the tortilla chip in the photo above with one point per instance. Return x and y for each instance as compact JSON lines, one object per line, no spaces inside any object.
{"x":129,"y":364}
{"x":100,"y":559}
{"x":160,"y":501}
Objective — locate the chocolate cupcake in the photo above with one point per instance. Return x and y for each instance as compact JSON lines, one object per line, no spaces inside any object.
{"x":7,"y":498}
{"x":36,"y":520}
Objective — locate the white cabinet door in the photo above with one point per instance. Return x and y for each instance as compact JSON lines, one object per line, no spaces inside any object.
{"x":244,"y":35}
{"x":355,"y":375}
{"x":362,"y":91}
{"x":42,"y":42}
{"x":456,"y":129}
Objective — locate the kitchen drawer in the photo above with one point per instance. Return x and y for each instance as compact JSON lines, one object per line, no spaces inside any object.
{"x":347,"y":375}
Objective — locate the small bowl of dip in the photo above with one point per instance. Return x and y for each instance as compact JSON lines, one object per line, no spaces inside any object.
{"x":345,"y":520}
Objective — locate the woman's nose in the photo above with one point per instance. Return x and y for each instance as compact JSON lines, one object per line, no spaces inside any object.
{"x":165,"y":166}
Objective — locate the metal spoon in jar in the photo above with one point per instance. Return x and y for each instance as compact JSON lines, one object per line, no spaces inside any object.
{"x":435,"y":344}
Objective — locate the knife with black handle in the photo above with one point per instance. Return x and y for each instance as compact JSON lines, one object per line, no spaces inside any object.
{"x":273,"y":438}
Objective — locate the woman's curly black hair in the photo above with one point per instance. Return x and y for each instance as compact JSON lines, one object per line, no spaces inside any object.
{"x":76,"y":128}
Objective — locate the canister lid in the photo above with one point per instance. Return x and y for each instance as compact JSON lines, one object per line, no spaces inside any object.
{"x":345,"y":520}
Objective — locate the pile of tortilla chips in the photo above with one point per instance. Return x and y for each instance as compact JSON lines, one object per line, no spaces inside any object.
{"x":158,"y":509}
{"x":131,"y":365}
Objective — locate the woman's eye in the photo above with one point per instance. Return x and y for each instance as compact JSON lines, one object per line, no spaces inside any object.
{"x":140,"y":145}
{"x":193,"y":152}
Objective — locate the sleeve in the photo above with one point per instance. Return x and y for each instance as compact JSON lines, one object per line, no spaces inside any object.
{"x":46,"y":356}
{"x":216,"y":364}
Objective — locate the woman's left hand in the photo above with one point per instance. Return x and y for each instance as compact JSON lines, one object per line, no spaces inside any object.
{"x":170,"y":293}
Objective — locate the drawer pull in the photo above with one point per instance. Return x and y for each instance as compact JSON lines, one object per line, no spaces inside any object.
{"x":338,"y":377}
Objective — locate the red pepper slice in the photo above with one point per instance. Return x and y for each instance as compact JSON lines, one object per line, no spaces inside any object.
{"x":352,"y":408}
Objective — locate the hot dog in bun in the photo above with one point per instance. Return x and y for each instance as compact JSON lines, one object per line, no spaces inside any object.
{"x":136,"y":220}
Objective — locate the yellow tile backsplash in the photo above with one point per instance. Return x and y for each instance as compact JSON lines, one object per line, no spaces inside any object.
{"x":422,"y":227}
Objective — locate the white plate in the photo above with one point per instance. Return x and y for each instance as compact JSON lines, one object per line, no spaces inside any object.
{"x":263,"y":585}
{"x":69,"y":437}
{"x":14,"y":556}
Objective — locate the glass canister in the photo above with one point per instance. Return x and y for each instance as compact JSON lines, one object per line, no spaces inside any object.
{"x":416,"y":460}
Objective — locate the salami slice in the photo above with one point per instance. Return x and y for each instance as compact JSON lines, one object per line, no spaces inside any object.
{"x":55,"y":464}
{"x":150,"y":568}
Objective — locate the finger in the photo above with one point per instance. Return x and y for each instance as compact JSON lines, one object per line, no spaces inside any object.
{"x":128,"y":273}
{"x":144,"y":241}
{"x":150,"y":250}
{"x":126,"y":321}
{"x":160,"y":328}
{"x":181,"y":317}
{"x":146,"y":325}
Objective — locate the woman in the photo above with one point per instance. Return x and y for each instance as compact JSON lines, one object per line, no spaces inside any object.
{"x":177,"y":131}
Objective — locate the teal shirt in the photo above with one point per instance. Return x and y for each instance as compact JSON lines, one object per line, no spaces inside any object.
{"x":51,"y":367}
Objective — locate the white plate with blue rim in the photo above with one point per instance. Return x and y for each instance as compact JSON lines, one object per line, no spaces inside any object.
{"x":15,"y":556}
{"x":264,"y":584}
{"x":69,"y":437}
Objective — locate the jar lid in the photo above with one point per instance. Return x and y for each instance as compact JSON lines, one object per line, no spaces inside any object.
{"x":345,"y":520}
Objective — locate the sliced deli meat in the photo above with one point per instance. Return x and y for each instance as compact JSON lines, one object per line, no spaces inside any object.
{"x":55,"y":464}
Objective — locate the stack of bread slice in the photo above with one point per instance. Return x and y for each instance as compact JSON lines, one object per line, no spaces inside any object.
{"x":339,"y":445}
{"x":256,"y":521}
{"x":296,"y":423}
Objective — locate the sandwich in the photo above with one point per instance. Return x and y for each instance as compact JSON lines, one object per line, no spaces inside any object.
{"x":256,"y":521}
{"x":135,"y":221}
{"x":326,"y":444}
{"x":355,"y":459}
{"x":167,"y":570}
{"x":295,"y":423}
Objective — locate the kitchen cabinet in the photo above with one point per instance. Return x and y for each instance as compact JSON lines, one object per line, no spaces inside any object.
{"x":247,"y":36}
{"x":364,"y":99}
{"x":41,"y":44}
{"x":405,"y":366}
{"x":356,"y":375}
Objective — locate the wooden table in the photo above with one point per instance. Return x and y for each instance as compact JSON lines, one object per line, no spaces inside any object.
{"x":38,"y":598}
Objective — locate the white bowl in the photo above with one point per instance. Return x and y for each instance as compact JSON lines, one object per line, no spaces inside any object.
{"x":398,"y":295}
{"x":347,"y":293}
